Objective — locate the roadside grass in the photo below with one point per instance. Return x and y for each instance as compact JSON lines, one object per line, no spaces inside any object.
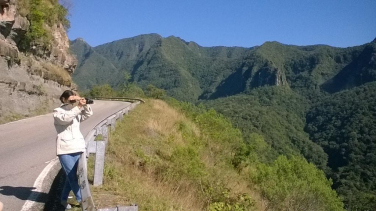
{"x":160,"y":159}
{"x":12,"y":116}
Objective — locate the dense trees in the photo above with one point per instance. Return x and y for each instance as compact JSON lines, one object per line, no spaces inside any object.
{"x":276,"y":112}
{"x":344,"y":124}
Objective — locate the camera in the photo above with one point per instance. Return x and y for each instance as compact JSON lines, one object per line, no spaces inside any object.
{"x":89,"y":101}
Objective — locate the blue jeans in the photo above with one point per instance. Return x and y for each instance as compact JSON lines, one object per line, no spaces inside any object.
{"x":69,"y":162}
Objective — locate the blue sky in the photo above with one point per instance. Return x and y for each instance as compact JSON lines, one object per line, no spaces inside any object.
{"x":246,"y":23}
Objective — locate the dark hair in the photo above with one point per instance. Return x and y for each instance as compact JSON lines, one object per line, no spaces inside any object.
{"x":66,"y":94}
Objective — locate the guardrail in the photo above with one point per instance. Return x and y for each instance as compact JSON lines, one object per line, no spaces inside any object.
{"x":119,"y":98}
{"x":98,"y":147}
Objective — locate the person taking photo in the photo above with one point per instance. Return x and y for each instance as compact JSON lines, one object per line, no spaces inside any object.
{"x":70,"y":143}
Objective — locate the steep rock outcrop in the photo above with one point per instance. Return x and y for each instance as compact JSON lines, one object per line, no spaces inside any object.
{"x":268,"y":76}
{"x":30,"y":82}
{"x":358,"y":72}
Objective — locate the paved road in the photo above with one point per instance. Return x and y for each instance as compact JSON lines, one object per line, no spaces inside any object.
{"x":26,"y":147}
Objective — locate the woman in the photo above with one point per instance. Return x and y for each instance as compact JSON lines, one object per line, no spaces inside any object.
{"x":70,"y":141}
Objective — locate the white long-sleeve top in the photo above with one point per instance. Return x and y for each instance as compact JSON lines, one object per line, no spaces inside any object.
{"x":67,"y":124}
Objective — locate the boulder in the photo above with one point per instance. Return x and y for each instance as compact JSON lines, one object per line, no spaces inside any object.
{"x":19,"y":28}
{"x":8,"y":50}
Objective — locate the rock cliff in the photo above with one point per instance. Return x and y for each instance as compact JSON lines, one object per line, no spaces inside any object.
{"x":31,"y":80}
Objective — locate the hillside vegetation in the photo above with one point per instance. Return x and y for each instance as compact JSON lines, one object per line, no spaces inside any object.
{"x":336,"y":133}
{"x":182,"y":157}
{"x":310,"y":101}
{"x":42,"y":14}
{"x":344,"y":124}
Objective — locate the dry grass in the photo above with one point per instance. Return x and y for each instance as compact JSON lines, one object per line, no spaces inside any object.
{"x":159,"y":159}
{"x":12,"y":116}
{"x":56,"y":73}
{"x":47,"y":71}
{"x":23,"y":7}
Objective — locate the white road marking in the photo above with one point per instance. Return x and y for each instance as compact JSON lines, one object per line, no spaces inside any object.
{"x":50,"y":160}
{"x":38,"y":185}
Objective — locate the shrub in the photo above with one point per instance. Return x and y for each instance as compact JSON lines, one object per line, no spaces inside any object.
{"x":131,"y":90}
{"x":102,"y":91}
{"x":242,"y":202}
{"x":295,"y":184}
{"x":154,"y":92}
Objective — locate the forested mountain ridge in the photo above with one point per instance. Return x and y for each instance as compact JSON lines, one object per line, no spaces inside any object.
{"x":316,"y":101}
{"x":91,"y":66}
{"x":190,"y":72}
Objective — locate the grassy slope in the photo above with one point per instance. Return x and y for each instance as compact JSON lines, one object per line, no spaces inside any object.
{"x":161,"y":160}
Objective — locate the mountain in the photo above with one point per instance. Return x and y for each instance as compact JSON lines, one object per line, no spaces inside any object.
{"x":93,"y":68}
{"x":182,"y":69}
{"x":190,"y":72}
{"x":316,"y":101}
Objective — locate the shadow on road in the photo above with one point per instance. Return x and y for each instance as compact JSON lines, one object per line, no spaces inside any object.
{"x":53,"y":201}
{"x":22,"y":193}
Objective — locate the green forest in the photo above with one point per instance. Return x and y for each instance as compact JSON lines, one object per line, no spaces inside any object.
{"x":312,"y":101}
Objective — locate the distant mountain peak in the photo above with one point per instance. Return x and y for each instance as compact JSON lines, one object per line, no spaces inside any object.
{"x":374,"y":40}
{"x":80,"y":40}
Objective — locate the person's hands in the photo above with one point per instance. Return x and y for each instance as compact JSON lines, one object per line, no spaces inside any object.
{"x":81,"y":102}
{"x":74,"y":97}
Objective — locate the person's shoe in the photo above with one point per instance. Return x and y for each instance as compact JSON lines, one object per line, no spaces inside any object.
{"x":66,"y":205}
{"x":73,"y":202}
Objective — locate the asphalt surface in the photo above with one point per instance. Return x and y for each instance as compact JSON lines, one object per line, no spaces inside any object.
{"x":27,"y":146}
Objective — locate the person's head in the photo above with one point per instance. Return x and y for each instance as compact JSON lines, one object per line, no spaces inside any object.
{"x":66,"y":94}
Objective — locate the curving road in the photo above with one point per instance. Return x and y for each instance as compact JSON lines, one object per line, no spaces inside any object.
{"x":28,"y":145}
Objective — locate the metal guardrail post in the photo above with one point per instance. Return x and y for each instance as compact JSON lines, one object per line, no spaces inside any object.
{"x":120,"y":115}
{"x":88,"y":140}
{"x":91,"y":147}
{"x":113,"y":123}
{"x":87,"y":200}
{"x":105,"y":133}
{"x":99,"y":163}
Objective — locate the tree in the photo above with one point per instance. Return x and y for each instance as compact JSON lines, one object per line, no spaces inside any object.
{"x":154,"y":92}
{"x":102,"y":91}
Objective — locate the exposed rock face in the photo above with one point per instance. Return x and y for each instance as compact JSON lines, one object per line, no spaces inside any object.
{"x":30,"y":83}
{"x":269,"y":76}
{"x":59,"y":53}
